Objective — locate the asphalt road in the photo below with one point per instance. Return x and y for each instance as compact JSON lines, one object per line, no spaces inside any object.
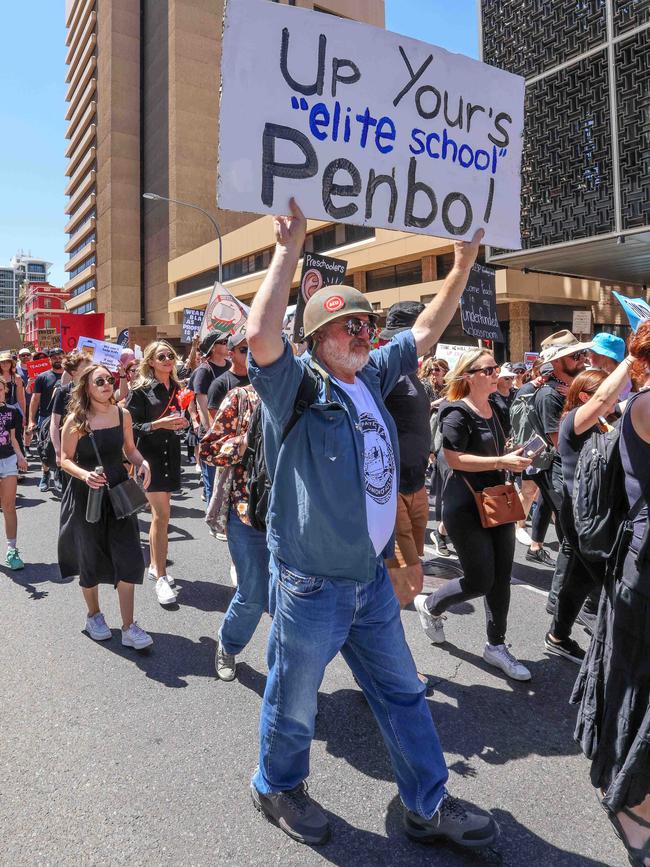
{"x":113,"y":757}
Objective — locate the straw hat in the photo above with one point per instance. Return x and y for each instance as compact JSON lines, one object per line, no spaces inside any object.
{"x":561,"y":344}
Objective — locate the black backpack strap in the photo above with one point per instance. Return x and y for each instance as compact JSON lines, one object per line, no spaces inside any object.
{"x":306,"y":395}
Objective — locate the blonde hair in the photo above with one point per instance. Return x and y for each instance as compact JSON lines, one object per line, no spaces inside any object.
{"x":146,"y":375}
{"x":80,"y":402}
{"x":457,"y":384}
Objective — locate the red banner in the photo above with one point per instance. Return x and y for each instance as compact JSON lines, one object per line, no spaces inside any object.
{"x":76,"y":325}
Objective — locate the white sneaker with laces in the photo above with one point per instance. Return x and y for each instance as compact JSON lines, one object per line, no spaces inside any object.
{"x":164,"y":592}
{"x":499,"y":656}
{"x":96,"y":627}
{"x":433,"y":625}
{"x":136,"y":637}
{"x":151,"y":574}
{"x":523,"y":537}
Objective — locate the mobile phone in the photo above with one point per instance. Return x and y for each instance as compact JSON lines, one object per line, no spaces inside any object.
{"x":535,"y":446}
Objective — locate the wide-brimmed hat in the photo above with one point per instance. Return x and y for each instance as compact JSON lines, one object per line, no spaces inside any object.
{"x":235,"y":339}
{"x":205,"y":346}
{"x":608,"y":345}
{"x":561,"y":344}
{"x":332,"y":302}
{"x":6,"y":355}
{"x":401,"y":316}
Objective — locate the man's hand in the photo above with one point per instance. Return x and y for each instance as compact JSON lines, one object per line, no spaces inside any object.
{"x":290,"y":231}
{"x":465,"y":252}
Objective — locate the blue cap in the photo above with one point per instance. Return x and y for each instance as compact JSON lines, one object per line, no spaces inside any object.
{"x":609,"y":345}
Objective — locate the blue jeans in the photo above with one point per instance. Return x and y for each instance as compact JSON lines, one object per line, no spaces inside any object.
{"x":207,"y":477}
{"x":251,"y":558}
{"x":313,"y":619}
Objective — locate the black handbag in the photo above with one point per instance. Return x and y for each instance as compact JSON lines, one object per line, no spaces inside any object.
{"x":127,"y":498}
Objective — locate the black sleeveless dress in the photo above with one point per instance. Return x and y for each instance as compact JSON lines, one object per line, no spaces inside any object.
{"x":613,"y":687}
{"x":108,"y":551}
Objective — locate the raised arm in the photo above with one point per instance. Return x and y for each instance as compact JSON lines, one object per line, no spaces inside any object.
{"x":264,"y":326}
{"x":604,"y":398}
{"x":438,"y":313}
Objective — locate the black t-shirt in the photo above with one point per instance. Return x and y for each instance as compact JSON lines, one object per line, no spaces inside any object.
{"x":204,"y":376}
{"x":61,"y":400}
{"x":44,"y":385}
{"x":549,"y":404}
{"x":408,"y":403}
{"x":569,"y":445}
{"x":503,"y":404}
{"x":9,"y":418}
{"x":222,"y":385}
{"x":464,"y":430}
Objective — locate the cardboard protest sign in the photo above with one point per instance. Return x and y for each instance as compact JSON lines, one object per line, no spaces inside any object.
{"x":636,"y":309}
{"x":317,"y":271}
{"x":366,"y":127}
{"x":451,"y":352}
{"x":192,"y":320}
{"x":478,"y":305}
{"x":34,"y":368}
{"x":530,"y":358}
{"x":74,"y":325}
{"x":107,"y":354}
{"x":47,"y":338}
{"x":224,"y":313}
{"x":9,"y":336}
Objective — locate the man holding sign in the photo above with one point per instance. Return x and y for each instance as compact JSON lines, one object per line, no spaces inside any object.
{"x":330,"y":525}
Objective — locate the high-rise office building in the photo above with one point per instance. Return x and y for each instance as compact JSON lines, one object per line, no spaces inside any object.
{"x":22,"y":268}
{"x":143,"y":102}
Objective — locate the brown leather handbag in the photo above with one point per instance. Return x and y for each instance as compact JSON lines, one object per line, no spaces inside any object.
{"x":497,"y":505}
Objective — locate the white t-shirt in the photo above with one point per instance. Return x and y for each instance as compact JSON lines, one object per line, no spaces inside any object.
{"x":378,"y":465}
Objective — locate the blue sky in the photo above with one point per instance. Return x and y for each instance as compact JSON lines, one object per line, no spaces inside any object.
{"x":32,"y":109}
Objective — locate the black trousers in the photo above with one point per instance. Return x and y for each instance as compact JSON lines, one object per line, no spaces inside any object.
{"x":486,"y":559}
{"x":575,"y":581}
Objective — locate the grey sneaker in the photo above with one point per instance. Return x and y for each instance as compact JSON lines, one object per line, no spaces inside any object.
{"x":295,"y":813}
{"x":458,"y":821}
{"x":433,"y":625}
{"x":225,"y":663}
{"x":499,"y":656}
{"x":96,"y":627}
{"x":136,"y":637}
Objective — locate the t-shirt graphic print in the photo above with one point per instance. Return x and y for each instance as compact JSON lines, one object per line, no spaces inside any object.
{"x":378,"y":465}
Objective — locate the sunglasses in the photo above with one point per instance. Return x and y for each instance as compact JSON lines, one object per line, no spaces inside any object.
{"x":101,"y":381}
{"x":165,"y":356}
{"x":436,"y":370}
{"x":242,"y":349}
{"x":486,"y":371}
{"x":355,"y":326}
{"x":576,"y":356}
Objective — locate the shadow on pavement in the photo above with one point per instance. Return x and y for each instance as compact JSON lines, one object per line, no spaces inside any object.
{"x":35,"y":574}
{"x":204,"y":595}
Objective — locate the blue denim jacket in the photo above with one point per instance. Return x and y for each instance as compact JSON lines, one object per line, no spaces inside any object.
{"x":317,"y":520}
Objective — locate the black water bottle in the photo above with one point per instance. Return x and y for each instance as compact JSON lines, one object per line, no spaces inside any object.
{"x":94,"y":504}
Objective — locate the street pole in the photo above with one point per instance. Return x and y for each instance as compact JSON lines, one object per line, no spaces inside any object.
{"x":156,"y":198}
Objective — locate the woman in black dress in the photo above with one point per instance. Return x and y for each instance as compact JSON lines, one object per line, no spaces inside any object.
{"x":157,"y":420}
{"x":15,"y":394}
{"x":613,"y":687}
{"x":474,"y":447}
{"x":106,"y":552}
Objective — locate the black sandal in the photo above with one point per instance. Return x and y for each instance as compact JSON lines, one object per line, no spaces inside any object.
{"x":636,"y":857}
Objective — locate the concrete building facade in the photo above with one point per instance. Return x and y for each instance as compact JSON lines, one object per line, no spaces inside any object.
{"x":21,"y":269}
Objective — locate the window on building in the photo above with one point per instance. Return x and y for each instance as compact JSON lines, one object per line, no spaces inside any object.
{"x":47,"y":323}
{"x":404,"y":274}
{"x":82,"y":266}
{"x":48,"y":302}
{"x":88,"y":307}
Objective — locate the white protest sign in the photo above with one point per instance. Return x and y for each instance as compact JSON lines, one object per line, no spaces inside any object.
{"x":365,"y":127}
{"x":451,"y":352}
{"x":107,"y":354}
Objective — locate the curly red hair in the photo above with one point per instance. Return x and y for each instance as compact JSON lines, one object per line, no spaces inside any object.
{"x":639,"y":347}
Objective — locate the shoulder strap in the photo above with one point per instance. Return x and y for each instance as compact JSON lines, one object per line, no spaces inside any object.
{"x":121,"y":417}
{"x":97,"y":455}
{"x":306,"y":395}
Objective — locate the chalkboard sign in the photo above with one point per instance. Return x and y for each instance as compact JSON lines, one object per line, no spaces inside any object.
{"x":192,"y":320}
{"x":478,"y":305}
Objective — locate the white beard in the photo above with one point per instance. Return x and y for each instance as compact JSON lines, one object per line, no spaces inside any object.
{"x":351,"y":361}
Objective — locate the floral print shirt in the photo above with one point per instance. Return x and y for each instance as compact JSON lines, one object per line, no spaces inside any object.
{"x":232,"y":445}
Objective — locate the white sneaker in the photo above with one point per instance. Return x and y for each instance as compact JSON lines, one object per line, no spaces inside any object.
{"x":164,"y":592}
{"x":136,"y":637}
{"x":433,"y":625}
{"x":96,"y":627}
{"x":151,"y":575}
{"x":225,"y":663}
{"x":233,"y":575}
{"x":523,"y":537}
{"x":499,"y":656}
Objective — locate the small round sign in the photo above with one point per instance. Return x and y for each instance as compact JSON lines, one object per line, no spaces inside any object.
{"x":335,"y":302}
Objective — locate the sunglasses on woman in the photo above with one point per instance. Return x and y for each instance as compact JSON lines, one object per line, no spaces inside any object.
{"x":101,"y":381}
{"x":486,"y":371}
{"x":355,"y":326}
{"x":436,"y":370}
{"x":165,"y":356}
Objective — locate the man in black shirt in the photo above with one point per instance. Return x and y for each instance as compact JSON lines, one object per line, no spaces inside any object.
{"x":504,"y":395}
{"x":213,"y":349}
{"x":409,"y":406}
{"x":237,"y":375}
{"x":40,"y":407}
{"x":569,"y":358}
